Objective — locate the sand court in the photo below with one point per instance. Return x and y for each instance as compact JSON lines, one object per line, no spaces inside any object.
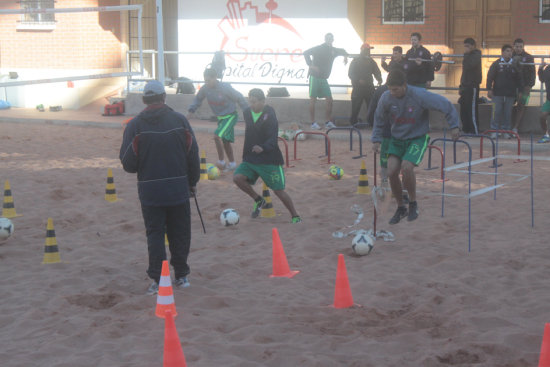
{"x":426,"y":300}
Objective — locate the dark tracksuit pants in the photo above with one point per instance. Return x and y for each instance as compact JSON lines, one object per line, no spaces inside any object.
{"x":469,"y":110}
{"x":358,"y":95}
{"x":175,"y":221}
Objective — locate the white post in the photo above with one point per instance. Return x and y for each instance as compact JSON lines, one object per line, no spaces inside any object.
{"x":160,"y":42}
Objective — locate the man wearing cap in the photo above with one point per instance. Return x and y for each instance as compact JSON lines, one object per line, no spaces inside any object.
{"x":319,"y":60}
{"x":361,"y":71}
{"x":159,"y":145}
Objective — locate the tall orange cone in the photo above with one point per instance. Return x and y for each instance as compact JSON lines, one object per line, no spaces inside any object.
{"x":363,"y":187}
{"x":165,"y":297}
{"x":8,"y":207}
{"x":544,"y":360}
{"x":267,"y":210}
{"x":203,"y":171}
{"x":51,"y":251}
{"x":110,"y":190}
{"x":342,"y":291}
{"x":173,"y":353}
{"x":280,"y":264}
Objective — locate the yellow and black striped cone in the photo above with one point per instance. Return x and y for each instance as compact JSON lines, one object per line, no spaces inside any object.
{"x":166,"y":243}
{"x":110,"y":190}
{"x":267,"y":210}
{"x":204,"y":173}
{"x":51,"y":252}
{"x":8,"y":208}
{"x":363,"y":187}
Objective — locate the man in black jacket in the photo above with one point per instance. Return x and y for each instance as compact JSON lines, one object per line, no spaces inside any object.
{"x":159,"y":145}
{"x":361,"y":71}
{"x":261,"y":155}
{"x":504,"y":79}
{"x":419,"y":73}
{"x":529,"y":75}
{"x":469,"y":87}
{"x":397,"y":60}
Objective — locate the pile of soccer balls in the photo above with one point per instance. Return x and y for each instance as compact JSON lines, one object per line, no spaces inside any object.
{"x":6,"y":228}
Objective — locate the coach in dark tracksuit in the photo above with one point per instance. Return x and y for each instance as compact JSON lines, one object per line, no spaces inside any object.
{"x":361,"y":71}
{"x":469,"y":87}
{"x":419,"y":73}
{"x":159,"y":145}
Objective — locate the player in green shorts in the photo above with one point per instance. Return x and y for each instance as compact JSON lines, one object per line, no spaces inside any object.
{"x":223,"y":100}
{"x":405,"y":107}
{"x":262,"y":157}
{"x":544,"y":77}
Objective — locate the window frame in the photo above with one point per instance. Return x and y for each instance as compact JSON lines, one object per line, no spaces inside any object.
{"x":541,"y":11}
{"x":403,"y":14}
{"x":26,"y":24}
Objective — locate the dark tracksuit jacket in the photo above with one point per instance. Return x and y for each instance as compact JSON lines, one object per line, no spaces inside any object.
{"x":159,"y":145}
{"x":528,"y":72}
{"x":419,"y":74}
{"x":264,"y":133}
{"x":504,"y":80}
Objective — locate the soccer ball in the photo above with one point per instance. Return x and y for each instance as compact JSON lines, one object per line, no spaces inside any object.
{"x":229,"y":217}
{"x":362,"y":244}
{"x":6,"y":228}
{"x":212,"y":171}
{"x":335,"y":172}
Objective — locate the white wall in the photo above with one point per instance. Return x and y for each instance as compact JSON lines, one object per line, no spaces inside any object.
{"x":233,"y":25}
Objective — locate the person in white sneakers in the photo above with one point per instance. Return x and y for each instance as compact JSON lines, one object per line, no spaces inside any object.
{"x":223,"y":100}
{"x":319,"y":60}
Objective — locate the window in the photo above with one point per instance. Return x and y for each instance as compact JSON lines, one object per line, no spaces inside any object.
{"x":37,"y":18}
{"x":402,"y":11}
{"x":544,"y":11}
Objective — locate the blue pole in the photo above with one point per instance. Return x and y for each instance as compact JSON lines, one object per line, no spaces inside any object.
{"x":496,"y":170}
{"x":443,"y":178}
{"x":469,"y":200}
{"x":532,"y":187}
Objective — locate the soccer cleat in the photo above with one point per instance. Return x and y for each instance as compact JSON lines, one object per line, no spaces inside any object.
{"x":400,"y":213}
{"x":413,"y":211}
{"x":220,"y":165}
{"x":329,"y":125}
{"x":315,"y":126}
{"x":296,"y":219}
{"x":182,"y":282}
{"x":258,"y":204}
{"x":544,"y":139}
{"x":153,"y":289}
{"x":231,"y":166}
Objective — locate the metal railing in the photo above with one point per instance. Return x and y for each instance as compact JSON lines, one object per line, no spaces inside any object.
{"x":540,"y":90}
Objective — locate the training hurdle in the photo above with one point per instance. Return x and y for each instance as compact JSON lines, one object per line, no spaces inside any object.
{"x":327,"y":144}
{"x":519,"y":177}
{"x":482,"y":137}
{"x":286,"y":151}
{"x":510,"y":132}
{"x":430,"y":147}
{"x":351,"y":130}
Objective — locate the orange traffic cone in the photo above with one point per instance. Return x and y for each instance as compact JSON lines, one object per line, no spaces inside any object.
{"x":173,"y":353}
{"x":165,"y":297}
{"x":267,"y":210}
{"x":342,"y":291}
{"x":544,"y":360}
{"x":280,"y":264}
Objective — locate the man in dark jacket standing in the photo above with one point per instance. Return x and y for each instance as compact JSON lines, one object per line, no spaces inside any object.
{"x":503,"y":81}
{"x":361,"y":71}
{"x":529,"y":75}
{"x":319,"y":60}
{"x":419,"y":73}
{"x":469,"y":87}
{"x":262,"y":157}
{"x":159,"y":145}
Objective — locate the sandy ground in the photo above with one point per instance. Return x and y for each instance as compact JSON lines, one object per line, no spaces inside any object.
{"x":425,"y":299}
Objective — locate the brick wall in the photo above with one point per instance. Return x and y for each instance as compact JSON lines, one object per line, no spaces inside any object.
{"x":79,"y":40}
{"x":536,"y":35}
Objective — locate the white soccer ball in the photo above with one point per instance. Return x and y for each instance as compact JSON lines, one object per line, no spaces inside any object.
{"x":362,"y":244}
{"x":6,"y":228}
{"x":229,"y":217}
